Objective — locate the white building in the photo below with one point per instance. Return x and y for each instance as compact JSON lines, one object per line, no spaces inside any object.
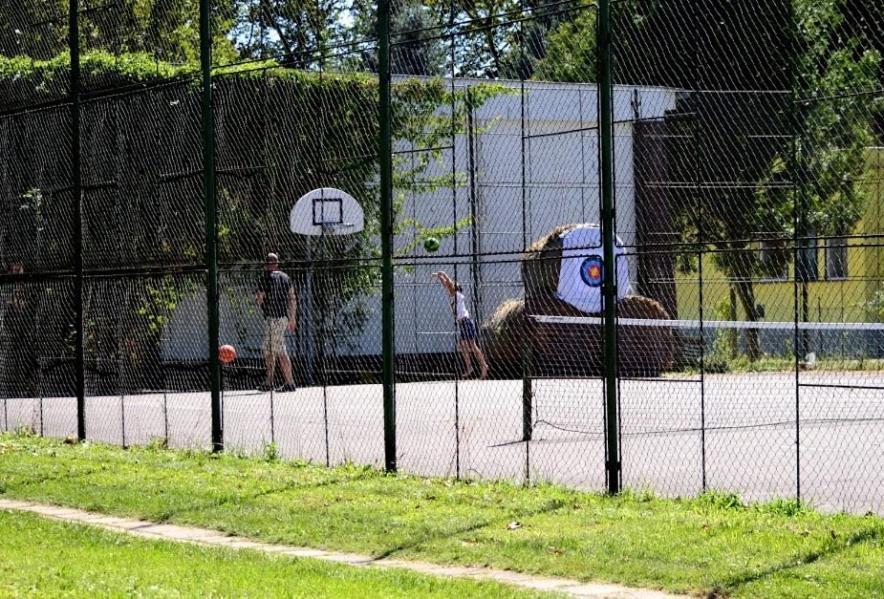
{"x":558,"y":123}
{"x":561,"y":186}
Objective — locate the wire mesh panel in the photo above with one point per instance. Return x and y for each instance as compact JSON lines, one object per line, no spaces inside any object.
{"x":736,"y":202}
{"x":349,"y":361}
{"x":143,"y":229}
{"x":719,"y":181}
{"x":39,"y":206}
{"x":142,"y":179}
{"x":37,"y":365}
{"x":485,"y":162}
{"x":36,"y":222}
{"x":295,"y":110}
{"x":145,"y":368}
{"x":34,"y":34}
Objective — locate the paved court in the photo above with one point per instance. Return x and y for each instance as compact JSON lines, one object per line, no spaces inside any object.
{"x":736,"y":431}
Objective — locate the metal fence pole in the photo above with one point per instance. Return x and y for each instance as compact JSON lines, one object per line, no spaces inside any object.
{"x":799,"y":228}
{"x":79,"y":358}
{"x":800,"y":280}
{"x":527,"y":386}
{"x":385,"y":158}
{"x":208,"y":125}
{"x":609,"y":290}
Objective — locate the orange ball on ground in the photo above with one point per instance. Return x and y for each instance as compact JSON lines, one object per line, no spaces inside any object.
{"x":226,"y":354}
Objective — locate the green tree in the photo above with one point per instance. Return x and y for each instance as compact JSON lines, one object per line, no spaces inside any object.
{"x":483,"y":50}
{"x":33,"y":28}
{"x":417,"y":48}
{"x":167,"y":30}
{"x":291,"y":31}
{"x":785,"y":95}
{"x":570,"y":51}
{"x":498,"y":39}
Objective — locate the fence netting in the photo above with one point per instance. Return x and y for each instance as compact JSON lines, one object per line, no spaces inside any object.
{"x":746,"y":180}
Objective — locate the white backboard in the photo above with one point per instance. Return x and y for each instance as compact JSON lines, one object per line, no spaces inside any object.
{"x":326,"y":211}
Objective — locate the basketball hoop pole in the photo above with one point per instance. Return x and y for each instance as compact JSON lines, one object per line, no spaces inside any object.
{"x":308,"y":309}
{"x":320,"y":214}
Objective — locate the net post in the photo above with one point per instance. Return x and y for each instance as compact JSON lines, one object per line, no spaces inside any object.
{"x":79,"y":358}
{"x":211,"y":215}
{"x":385,"y":157}
{"x":527,"y":394}
{"x":608,"y":219}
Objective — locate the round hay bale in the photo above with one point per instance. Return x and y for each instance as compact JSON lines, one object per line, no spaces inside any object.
{"x":516,"y":345}
{"x":575,"y":349}
{"x":644,"y":351}
{"x":560,"y":349}
{"x":541,"y":264}
{"x":504,"y":334}
{"x":556,"y":349}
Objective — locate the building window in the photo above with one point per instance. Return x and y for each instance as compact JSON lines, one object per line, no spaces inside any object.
{"x":774,"y":261}
{"x":808,"y":267}
{"x":836,"y":258}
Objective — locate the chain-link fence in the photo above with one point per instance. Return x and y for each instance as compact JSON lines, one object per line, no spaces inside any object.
{"x":611,"y":243}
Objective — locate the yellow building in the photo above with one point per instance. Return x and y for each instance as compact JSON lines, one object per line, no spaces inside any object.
{"x":847,"y":274}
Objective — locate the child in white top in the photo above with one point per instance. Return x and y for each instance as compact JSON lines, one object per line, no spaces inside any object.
{"x":468,"y":334}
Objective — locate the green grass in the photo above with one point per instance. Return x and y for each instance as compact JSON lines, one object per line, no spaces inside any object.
{"x":714,"y":543}
{"x":40,"y":557}
{"x":742,"y":365}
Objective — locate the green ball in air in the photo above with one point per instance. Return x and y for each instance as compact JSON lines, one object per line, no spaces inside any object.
{"x":431,"y":244}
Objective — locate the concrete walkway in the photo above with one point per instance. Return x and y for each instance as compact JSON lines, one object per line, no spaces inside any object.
{"x":203,"y":536}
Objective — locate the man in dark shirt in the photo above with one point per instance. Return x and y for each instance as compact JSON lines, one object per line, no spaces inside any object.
{"x":276,"y":297}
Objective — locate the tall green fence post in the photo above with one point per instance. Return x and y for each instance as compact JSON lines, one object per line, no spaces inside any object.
{"x":385,"y":157}
{"x":609,"y":291}
{"x":76,"y":193}
{"x":208,"y":124}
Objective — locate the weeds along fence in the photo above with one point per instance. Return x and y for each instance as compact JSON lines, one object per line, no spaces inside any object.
{"x":664,"y":218}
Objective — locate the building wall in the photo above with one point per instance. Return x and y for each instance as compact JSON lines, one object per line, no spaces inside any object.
{"x":844,"y":300}
{"x":561,"y":186}
{"x":561,"y":164}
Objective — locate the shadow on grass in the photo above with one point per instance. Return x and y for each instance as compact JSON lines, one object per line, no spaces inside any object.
{"x":221,"y":501}
{"x":547,"y":508}
{"x":45,"y":478}
{"x":195,"y":507}
{"x":831,"y":548}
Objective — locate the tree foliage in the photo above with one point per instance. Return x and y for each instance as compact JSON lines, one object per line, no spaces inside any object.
{"x":148,"y":207}
{"x":167,"y":30}
{"x":570,"y":51}
{"x":294,"y":31}
{"x":782,"y":98}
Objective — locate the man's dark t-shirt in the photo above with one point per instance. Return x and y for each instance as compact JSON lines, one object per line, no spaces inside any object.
{"x":276,"y":286}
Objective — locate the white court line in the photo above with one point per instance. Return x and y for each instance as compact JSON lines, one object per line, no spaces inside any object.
{"x":713,"y":324}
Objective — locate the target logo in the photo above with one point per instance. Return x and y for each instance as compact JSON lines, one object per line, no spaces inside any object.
{"x":591,"y":271}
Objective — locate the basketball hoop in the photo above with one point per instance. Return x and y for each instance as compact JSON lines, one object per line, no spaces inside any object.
{"x":326,"y":211}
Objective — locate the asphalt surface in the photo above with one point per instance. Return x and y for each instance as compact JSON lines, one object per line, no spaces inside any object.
{"x":735,"y":432}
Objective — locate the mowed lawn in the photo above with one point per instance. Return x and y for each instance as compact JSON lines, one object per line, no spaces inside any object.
{"x":711,"y":544}
{"x":46,"y":558}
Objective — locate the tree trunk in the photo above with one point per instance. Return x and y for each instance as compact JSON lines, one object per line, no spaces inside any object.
{"x":739,"y":265}
{"x":746,"y":293}
{"x":733,"y":335}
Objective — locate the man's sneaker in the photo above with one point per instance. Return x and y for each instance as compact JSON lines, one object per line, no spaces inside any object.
{"x":265,"y":387}
{"x":288,"y":387}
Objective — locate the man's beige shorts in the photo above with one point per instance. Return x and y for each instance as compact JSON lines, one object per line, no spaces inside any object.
{"x":274,"y":335}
